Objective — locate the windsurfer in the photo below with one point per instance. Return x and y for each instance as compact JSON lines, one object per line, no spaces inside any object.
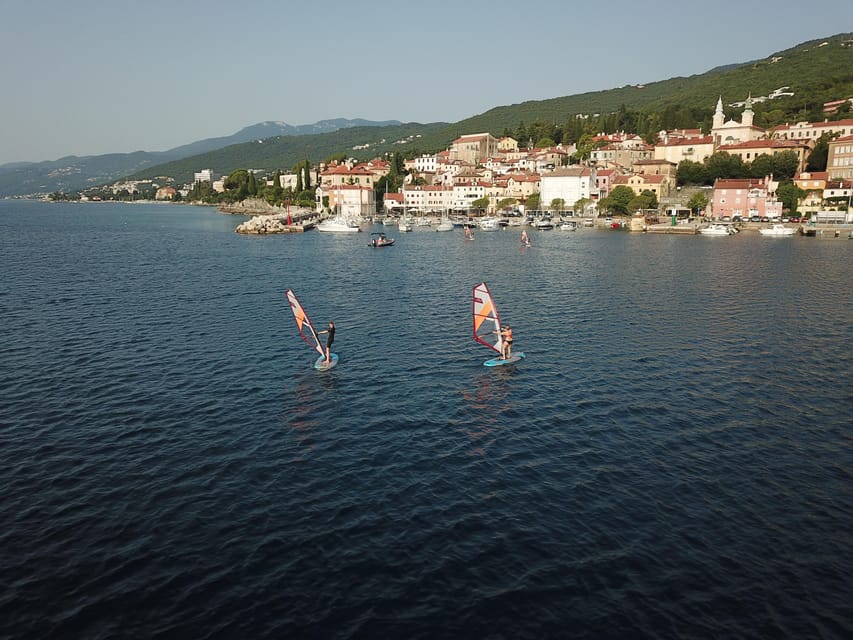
{"x":506,"y":342}
{"x":524,"y":238}
{"x":331,"y":331}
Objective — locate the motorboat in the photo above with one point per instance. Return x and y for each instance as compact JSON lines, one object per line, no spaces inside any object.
{"x":489,"y":224}
{"x":567,"y":225}
{"x":379,"y":240}
{"x":717,"y":230}
{"x":544,"y":224}
{"x":338,"y":224}
{"x":777,"y":230}
{"x":445,"y":225}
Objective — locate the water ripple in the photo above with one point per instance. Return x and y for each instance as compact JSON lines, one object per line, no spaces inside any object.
{"x":673,"y":459}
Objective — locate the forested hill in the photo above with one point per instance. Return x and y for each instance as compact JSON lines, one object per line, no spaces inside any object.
{"x":815,"y":72}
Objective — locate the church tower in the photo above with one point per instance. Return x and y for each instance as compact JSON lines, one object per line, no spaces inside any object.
{"x":746,"y":120}
{"x":719,"y":116}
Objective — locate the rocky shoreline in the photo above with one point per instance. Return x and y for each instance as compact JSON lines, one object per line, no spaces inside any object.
{"x":267,"y":218}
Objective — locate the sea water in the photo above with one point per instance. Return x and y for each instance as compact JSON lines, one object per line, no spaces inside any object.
{"x":672,"y":459}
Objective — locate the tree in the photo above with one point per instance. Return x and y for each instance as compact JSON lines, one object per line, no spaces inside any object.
{"x":481,"y":203}
{"x":620,"y":197}
{"x":790,"y":195}
{"x":581,"y":205}
{"x":557,"y":204}
{"x":273,"y":194}
{"x":585,"y":147}
{"x":725,"y":165}
{"x":698,"y":202}
{"x":782,"y":166}
{"x":506,"y":203}
{"x":650,"y":199}
{"x":306,"y":169}
{"x":532,"y":201}
{"x":820,"y":154}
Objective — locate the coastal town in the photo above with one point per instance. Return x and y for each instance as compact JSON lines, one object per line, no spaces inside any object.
{"x":483,"y":175}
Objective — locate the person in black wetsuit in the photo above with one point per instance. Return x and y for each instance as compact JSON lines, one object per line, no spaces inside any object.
{"x":331,"y":331}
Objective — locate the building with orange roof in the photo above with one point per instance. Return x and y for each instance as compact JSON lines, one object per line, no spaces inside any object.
{"x":745,"y":197}
{"x":474,"y":148}
{"x":750,"y":150}
{"x":350,"y":200}
{"x":812,"y":131}
{"x":813,"y":183}
{"x":677,"y":150}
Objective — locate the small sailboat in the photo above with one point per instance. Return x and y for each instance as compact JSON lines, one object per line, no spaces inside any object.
{"x":309,"y":334}
{"x":487,"y":325}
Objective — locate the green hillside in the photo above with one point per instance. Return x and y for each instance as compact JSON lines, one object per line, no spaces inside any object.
{"x":283,"y":152}
{"x":815,"y":72}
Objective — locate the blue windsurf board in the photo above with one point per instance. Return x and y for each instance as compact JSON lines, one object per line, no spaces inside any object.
{"x":322,"y":365}
{"x":497,"y":362}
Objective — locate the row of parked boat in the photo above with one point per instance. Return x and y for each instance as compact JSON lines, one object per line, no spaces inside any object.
{"x":718,"y":229}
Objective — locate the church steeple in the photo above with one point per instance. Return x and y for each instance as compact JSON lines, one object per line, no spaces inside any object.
{"x":719,"y":116}
{"x":746,"y":121}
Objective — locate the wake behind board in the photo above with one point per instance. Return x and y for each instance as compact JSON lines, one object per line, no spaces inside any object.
{"x":497,"y":362}
{"x":322,"y":365}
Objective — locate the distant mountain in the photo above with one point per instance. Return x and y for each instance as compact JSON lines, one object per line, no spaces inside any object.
{"x":283,"y":152}
{"x":73,"y":173}
{"x":271,"y":129}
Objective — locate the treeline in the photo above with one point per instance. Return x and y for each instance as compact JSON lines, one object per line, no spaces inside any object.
{"x":580,"y":131}
{"x":242,"y":184}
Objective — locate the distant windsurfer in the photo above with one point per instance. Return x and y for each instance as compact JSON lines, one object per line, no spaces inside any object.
{"x":524,"y":238}
{"x":506,"y":341}
{"x":331,"y":331}
{"x":469,"y":235}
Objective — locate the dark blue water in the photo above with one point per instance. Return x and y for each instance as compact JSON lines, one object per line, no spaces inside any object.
{"x":672,"y":460}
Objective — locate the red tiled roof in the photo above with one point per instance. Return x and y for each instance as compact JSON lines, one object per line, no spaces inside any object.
{"x":763,"y":144}
{"x":687,"y":142}
{"x":815,"y":125}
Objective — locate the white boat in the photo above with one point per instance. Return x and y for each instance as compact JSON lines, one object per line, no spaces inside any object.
{"x":568,"y":226}
{"x":777,"y":230}
{"x":717,"y":230}
{"x":338,"y":224}
{"x":404,"y":224}
{"x":489,"y":224}
{"x":544,"y":224}
{"x":445,"y":225}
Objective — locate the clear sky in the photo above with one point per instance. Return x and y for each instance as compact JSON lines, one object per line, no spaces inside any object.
{"x":87,"y":77}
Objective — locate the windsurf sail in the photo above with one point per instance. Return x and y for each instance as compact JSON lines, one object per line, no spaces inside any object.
{"x":486,"y":318}
{"x":303,"y":322}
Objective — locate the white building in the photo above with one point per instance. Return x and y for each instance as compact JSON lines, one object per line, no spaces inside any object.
{"x":567,"y":183}
{"x":350,"y":200}
{"x":426,"y":164}
{"x":205,"y":175}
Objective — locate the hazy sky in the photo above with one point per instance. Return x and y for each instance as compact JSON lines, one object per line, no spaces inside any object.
{"x":87,"y":77}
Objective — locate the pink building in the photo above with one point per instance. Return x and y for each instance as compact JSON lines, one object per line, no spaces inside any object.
{"x":745,"y":197}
